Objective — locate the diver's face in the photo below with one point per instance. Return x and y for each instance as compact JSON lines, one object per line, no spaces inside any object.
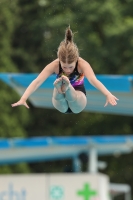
{"x":68,"y":68}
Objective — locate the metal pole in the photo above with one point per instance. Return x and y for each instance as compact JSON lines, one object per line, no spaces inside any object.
{"x":93,"y":161}
{"x":128,"y":196}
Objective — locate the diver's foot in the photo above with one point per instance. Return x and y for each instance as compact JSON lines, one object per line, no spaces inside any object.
{"x":65,"y":84}
{"x":58,"y":85}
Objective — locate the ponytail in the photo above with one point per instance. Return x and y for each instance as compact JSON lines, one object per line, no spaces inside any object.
{"x":68,"y":35}
{"x":68,"y":50}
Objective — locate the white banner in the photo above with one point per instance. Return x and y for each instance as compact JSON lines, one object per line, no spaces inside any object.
{"x":67,"y":186}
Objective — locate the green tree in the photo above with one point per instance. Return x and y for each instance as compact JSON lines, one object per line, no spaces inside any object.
{"x":9,"y":126}
{"x":10,"y":123}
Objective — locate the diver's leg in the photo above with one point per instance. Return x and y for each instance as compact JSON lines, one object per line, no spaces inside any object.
{"x":76,"y":99}
{"x":58,"y":98}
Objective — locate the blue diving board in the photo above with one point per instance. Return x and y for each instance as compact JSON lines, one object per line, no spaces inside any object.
{"x":120,"y":85}
{"x":15,"y":150}
{"x":64,"y":141}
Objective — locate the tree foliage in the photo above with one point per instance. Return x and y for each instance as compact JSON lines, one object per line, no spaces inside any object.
{"x":10,"y":123}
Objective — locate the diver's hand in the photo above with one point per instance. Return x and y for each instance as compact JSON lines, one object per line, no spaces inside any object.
{"x":111,"y":99}
{"x":19,"y":103}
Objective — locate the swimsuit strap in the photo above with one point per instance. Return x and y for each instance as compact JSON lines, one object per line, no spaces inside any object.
{"x":60,"y":69}
{"x":76,"y":67}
